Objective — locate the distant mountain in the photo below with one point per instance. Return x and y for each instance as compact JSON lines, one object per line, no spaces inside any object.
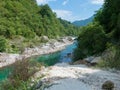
{"x":83,"y":22}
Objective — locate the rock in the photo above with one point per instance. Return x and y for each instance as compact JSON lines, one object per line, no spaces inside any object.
{"x":89,"y":59}
{"x":60,"y":40}
{"x":92,"y":77}
{"x":39,"y":85}
{"x":108,"y":85}
{"x":95,"y":61}
{"x":64,"y":40}
{"x":70,"y":38}
{"x":80,"y":62}
{"x":44,"y":38}
{"x":3,"y":57}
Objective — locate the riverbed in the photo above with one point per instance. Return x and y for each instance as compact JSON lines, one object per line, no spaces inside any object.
{"x":48,"y":59}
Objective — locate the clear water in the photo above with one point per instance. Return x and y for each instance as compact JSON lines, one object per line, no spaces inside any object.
{"x":48,"y":60}
{"x":61,"y":56}
{"x":4,"y":72}
{"x":64,"y":53}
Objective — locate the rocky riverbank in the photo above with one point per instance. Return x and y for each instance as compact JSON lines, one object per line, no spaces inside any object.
{"x":76,"y":77}
{"x":50,"y":47}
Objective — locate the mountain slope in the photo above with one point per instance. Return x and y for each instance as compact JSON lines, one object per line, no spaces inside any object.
{"x":83,"y":22}
{"x":25,"y":20}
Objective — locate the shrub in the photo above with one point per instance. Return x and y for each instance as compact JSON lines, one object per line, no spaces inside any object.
{"x":20,"y":76}
{"x":3,"y":44}
{"x":91,"y":41}
{"x":111,"y":59}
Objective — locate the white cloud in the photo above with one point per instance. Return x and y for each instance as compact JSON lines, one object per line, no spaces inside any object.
{"x":65,"y":2}
{"x":97,"y":1}
{"x":63,"y":13}
{"x":66,"y":15}
{"x":44,"y":1}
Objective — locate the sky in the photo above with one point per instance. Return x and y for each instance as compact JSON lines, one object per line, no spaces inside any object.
{"x":72,"y":10}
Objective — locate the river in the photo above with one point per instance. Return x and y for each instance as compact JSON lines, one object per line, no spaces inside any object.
{"x":48,"y":60}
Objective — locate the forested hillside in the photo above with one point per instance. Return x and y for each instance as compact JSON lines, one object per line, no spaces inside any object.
{"x":103,"y":35}
{"x":69,"y":29}
{"x":24,"y":19}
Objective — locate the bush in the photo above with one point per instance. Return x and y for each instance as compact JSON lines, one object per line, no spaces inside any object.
{"x":3,"y":44}
{"x":20,"y":76}
{"x":91,"y":41}
{"x":111,"y":59}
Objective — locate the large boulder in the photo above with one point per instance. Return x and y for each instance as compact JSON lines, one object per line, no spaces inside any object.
{"x":108,"y":85}
{"x":89,"y":59}
{"x":80,"y":62}
{"x":95,"y":61}
{"x":44,"y":38}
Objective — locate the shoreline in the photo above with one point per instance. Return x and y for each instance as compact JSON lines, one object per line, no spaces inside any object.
{"x":49,"y":47}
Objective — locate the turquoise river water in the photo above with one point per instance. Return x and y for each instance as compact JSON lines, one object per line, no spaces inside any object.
{"x":48,"y":60}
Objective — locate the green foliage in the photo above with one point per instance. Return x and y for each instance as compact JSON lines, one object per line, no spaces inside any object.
{"x":26,"y":19}
{"x":109,"y":17}
{"x":111,"y":58}
{"x":16,"y":20}
{"x":69,"y":29}
{"x":3,"y":44}
{"x":91,"y":41}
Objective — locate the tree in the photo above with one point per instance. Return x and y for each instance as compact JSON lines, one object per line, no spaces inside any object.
{"x":91,"y":41}
{"x":25,"y":19}
{"x":108,"y":16}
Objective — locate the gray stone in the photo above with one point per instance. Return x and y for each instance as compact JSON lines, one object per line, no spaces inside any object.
{"x":96,"y":60}
{"x":89,"y":59}
{"x":44,"y":38}
{"x":39,"y":85}
{"x":108,"y":85}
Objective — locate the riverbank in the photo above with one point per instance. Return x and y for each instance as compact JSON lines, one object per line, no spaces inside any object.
{"x":46,"y":48}
{"x":75,"y":77}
